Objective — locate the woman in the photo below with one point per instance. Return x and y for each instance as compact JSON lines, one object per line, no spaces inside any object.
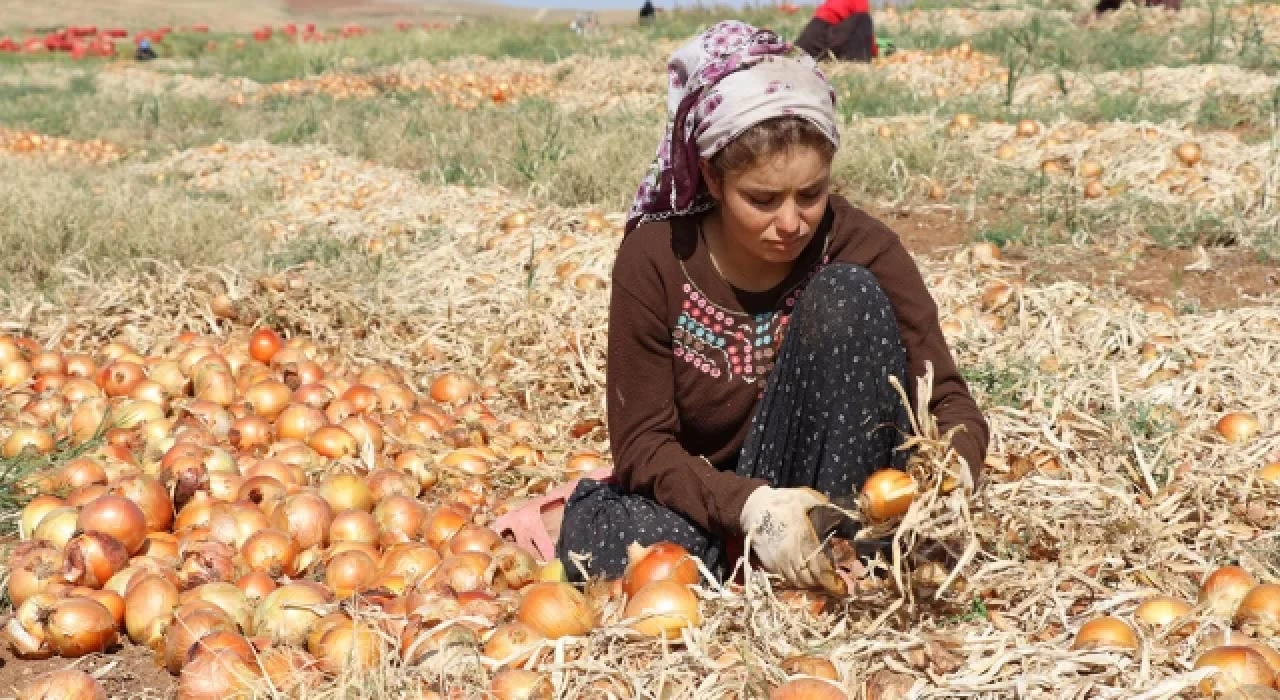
{"x":841,"y":29}
{"x":755,"y":321}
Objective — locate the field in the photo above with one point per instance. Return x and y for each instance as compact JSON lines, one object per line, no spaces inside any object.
{"x":1094,"y":209}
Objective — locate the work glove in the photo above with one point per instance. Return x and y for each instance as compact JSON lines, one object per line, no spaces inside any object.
{"x":782,"y":537}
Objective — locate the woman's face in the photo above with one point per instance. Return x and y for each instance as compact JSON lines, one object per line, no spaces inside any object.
{"x":770,"y":211}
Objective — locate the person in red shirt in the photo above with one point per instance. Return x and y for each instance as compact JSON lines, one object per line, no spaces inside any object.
{"x":840,"y":29}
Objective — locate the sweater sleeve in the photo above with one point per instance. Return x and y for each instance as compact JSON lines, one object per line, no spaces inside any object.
{"x":644,"y":424}
{"x":917,"y":316}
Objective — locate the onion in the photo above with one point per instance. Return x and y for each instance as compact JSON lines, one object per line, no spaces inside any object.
{"x":413,"y":561}
{"x":92,"y":558}
{"x":443,"y":524}
{"x":354,"y":526}
{"x":814,"y":666}
{"x":264,"y":344}
{"x":272,"y":551}
{"x":118,"y":517}
{"x":512,"y":644}
{"x":15,"y":374}
{"x":346,"y":492}
{"x":262,"y":490}
{"x":1259,"y":610}
{"x":299,"y":421}
{"x":1105,"y":633}
{"x":83,"y":471}
{"x":234,"y":523}
{"x":453,"y":388}
{"x":256,"y":585}
{"x":334,"y":442}
{"x":112,"y":601}
{"x":160,"y":545}
{"x":268,"y":398}
{"x":515,"y":566}
{"x":887,"y":494}
{"x":286,"y":615}
{"x":33,"y":567}
{"x":399,"y":519}
{"x":1238,"y":427}
{"x":1189,"y":153}
{"x":1224,"y":589}
{"x":384,"y":483}
{"x":34,"y":512}
{"x":186,"y":629}
{"x":663,"y":608}
{"x":362,"y":398}
{"x":307,"y":517}
{"x":1270,"y":473}
{"x":470,"y":461}
{"x":664,"y":561}
{"x":474,"y":538}
{"x":119,"y":378}
{"x":349,"y":646}
{"x":147,"y":607}
{"x":414,"y":464}
{"x":196,"y":513}
{"x":1159,"y":612}
{"x":464,"y":572}
{"x":250,"y":434}
{"x":1237,"y":666}
{"x":555,"y":610}
{"x":151,"y":498}
{"x":58,"y":526}
{"x":228,"y":598}
{"x":316,"y":396}
{"x":807,"y":689}
{"x":31,"y":440}
{"x":217,"y":675}
{"x":349,"y":572}
{"x":519,"y":684}
{"x":1028,"y":128}
{"x":222,"y":641}
{"x":26,"y":633}
{"x":65,"y":684}
{"x":422,"y":639}
{"x":79,"y":626}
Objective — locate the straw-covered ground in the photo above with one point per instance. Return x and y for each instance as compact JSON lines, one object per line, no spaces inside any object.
{"x":1108,"y":298}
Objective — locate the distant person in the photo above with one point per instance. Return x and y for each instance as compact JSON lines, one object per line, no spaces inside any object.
{"x":648,"y":12}
{"x":840,"y":29}
{"x":145,"y":52}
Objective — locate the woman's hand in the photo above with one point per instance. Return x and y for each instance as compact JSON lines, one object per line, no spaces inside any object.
{"x":782,"y":536}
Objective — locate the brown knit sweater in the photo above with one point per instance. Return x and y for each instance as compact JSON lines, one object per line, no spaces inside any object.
{"x":689,"y":355}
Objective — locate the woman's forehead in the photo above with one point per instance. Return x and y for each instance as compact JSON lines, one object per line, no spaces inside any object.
{"x":795,"y":168}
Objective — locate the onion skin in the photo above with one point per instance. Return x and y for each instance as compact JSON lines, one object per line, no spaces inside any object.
{"x":79,"y":626}
{"x":65,"y":684}
{"x":663,"y":609}
{"x":92,"y":558}
{"x":555,"y":610}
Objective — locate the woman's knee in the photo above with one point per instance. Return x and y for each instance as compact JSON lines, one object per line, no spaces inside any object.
{"x":846,"y":286}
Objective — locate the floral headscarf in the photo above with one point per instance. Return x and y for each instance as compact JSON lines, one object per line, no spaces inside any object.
{"x":721,"y":83}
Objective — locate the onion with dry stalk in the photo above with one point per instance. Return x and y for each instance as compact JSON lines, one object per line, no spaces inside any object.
{"x":287,"y":613}
{"x":887,"y":494}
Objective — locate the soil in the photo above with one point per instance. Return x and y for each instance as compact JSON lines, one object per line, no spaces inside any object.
{"x":130,"y":672}
{"x":1235,"y":277}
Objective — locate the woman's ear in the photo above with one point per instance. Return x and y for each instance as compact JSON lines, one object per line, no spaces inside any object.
{"x":714,"y":185}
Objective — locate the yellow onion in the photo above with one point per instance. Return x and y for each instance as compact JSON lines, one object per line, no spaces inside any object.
{"x":349,"y":572}
{"x":353,"y":526}
{"x":346,"y":492}
{"x":306,"y":516}
{"x":887,"y":494}
{"x":443,"y":524}
{"x":555,"y":610}
{"x":148,"y":605}
{"x":1238,"y":427}
{"x":255,"y":585}
{"x":814,"y":666}
{"x":289,"y":670}
{"x":32,"y":571}
{"x":92,"y":558}
{"x":1236,"y":666}
{"x":186,"y":629}
{"x":272,"y":551}
{"x":58,"y":526}
{"x":1224,"y":589}
{"x":399,"y":519}
{"x":512,"y":643}
{"x":663,"y":608}
{"x":664,"y":561}
{"x":217,"y":675}
{"x":349,"y":646}
{"x":519,"y":684}
{"x":1105,"y":633}
{"x":34,"y":512}
{"x":150,"y":496}
{"x":116,"y":516}
{"x":228,"y":598}
{"x":1259,"y":610}
{"x":516,"y":568}
{"x":26,"y":633}
{"x":79,"y":626}
{"x":64,"y":684}
{"x":286,"y":615}
{"x":807,"y":689}
{"x":234,"y":523}
{"x":414,"y":561}
{"x":1159,"y":612}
